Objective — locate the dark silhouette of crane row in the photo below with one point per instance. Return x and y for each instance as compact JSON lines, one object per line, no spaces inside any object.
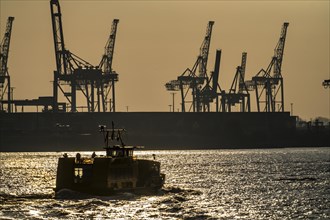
{"x":268,"y":83}
{"x":5,"y":86}
{"x":97,"y":83}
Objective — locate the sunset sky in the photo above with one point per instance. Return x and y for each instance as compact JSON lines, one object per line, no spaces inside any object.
{"x":158,"y":40}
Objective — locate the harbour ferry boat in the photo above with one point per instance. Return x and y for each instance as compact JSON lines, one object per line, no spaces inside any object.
{"x":117,"y":171}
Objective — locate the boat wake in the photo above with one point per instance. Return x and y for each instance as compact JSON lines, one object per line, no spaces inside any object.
{"x":4,"y":196}
{"x":178,"y":190}
{"x":177,"y":193}
{"x":70,"y":195}
{"x":67,"y":194}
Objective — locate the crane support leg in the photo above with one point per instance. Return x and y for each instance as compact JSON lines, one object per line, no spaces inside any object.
{"x":113,"y":97}
{"x":258,"y":100}
{"x":9,"y":94}
{"x":282,"y":94}
{"x":182,"y":98}
{"x":92,"y":97}
{"x":98,"y":96}
{"x":73,"y":96}
{"x":55,"y":92}
{"x":87,"y":95}
{"x":102,"y":97}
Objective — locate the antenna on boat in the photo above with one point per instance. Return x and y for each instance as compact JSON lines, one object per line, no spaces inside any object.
{"x":115,"y":134}
{"x":113,"y":130}
{"x":105,"y":134}
{"x":120,"y":139}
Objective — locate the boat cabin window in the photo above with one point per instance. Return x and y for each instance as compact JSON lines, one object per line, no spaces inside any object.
{"x":113,"y":153}
{"x":119,"y":152}
{"x":78,"y":172}
{"x":83,"y":175}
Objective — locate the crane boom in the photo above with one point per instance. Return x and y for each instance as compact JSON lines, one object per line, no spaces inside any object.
{"x":279,"y":51}
{"x":4,"y":74}
{"x":204,"y":50}
{"x":61,"y":53}
{"x":66,"y":61}
{"x":242,"y":69}
{"x":107,"y":58}
{"x":4,"y":49}
{"x":215,"y":75}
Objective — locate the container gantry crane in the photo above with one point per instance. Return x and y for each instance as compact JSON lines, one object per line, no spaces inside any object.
{"x":192,"y":81}
{"x":5,"y":86}
{"x":238,"y":92}
{"x":76,"y":74}
{"x":106,"y":66}
{"x":210,"y":90}
{"x":269,"y":82}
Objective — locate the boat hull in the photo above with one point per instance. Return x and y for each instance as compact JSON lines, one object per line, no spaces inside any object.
{"x":108,"y":176}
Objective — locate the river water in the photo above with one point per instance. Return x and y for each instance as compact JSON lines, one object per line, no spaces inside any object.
{"x":289,"y":183}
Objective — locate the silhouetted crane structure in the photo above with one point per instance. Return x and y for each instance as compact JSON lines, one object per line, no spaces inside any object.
{"x":76,"y":74}
{"x":106,"y":66}
{"x":238,"y":92}
{"x":5,"y":86}
{"x":269,"y":82}
{"x":210,"y":90}
{"x":192,"y":81}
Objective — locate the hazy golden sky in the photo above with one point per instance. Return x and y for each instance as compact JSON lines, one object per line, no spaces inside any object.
{"x":158,"y":40}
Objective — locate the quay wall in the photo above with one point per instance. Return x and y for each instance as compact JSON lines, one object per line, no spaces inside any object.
{"x":154,"y":130}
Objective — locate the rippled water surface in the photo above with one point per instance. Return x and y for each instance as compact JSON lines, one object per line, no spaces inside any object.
{"x":209,"y":184}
